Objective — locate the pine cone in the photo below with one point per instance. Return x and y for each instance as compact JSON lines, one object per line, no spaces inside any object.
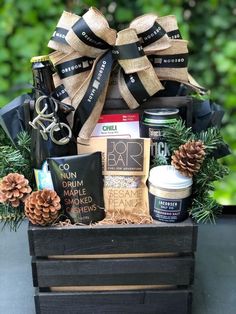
{"x":189,"y":157}
{"x":14,"y":188}
{"x":42,"y":207}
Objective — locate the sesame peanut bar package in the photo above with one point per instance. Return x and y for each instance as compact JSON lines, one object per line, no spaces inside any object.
{"x":125,"y":168}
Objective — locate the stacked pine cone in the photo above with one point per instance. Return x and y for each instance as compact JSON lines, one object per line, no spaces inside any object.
{"x":189,"y":157}
{"x":42,"y":207}
{"x":14,"y":189}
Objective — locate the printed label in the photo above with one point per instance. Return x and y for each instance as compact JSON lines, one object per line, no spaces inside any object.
{"x":74,"y":66}
{"x":60,"y":35}
{"x":76,"y":196}
{"x":128,"y":51}
{"x":159,"y":146}
{"x":175,"y":34}
{"x":85,"y":34}
{"x":170,"y":61}
{"x":43,"y":177}
{"x":148,"y":121}
{"x":119,"y":117}
{"x":122,"y":199}
{"x":97,"y":81}
{"x":168,"y":210}
{"x":166,"y":204}
{"x":60,"y":92}
{"x":125,"y":154}
{"x":136,"y":87}
{"x":122,"y":125}
{"x":155,"y":131}
{"x":151,"y":35}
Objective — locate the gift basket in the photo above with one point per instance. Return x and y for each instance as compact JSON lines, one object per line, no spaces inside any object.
{"x":110,"y":133}
{"x":112,"y":160}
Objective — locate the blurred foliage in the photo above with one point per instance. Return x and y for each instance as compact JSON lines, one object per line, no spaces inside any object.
{"x":210,"y":27}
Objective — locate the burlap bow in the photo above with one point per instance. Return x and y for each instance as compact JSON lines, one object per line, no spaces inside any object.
{"x":149,"y":51}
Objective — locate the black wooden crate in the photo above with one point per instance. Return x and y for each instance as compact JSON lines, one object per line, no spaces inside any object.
{"x":113,"y":269}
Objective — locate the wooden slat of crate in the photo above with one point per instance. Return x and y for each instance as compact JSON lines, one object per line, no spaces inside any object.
{"x":155,"y":238}
{"x":120,"y":302}
{"x":109,"y":288}
{"x":105,"y":272}
{"x":114,"y":269}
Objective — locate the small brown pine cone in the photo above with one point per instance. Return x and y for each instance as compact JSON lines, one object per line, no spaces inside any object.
{"x":189,"y":157}
{"x":42,"y":207}
{"x":14,"y":188}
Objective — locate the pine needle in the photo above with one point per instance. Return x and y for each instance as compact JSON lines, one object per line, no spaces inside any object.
{"x":15,"y":160}
{"x":177,"y":135}
{"x":211,"y":139}
{"x":204,"y":208}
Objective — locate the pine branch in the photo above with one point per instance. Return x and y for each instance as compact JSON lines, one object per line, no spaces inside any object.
{"x":11,"y":216}
{"x":205,"y":209}
{"x":177,"y":135}
{"x":17,"y":159}
{"x":210,"y":171}
{"x":24,"y":146}
{"x":11,"y":160}
{"x":211,"y":139}
{"x":24,"y":143}
{"x":159,"y":161}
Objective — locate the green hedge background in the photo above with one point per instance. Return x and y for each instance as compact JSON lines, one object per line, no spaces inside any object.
{"x":210,"y":27}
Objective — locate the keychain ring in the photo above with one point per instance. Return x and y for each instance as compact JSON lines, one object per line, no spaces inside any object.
{"x":64,"y":140}
{"x":41,"y":112}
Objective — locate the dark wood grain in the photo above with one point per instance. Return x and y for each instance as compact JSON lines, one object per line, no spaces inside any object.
{"x":117,"y":239}
{"x":195,"y":235}
{"x":118,"y":105}
{"x":105,"y":272}
{"x":142,"y":302}
{"x":34,"y":271}
{"x":37,"y":302}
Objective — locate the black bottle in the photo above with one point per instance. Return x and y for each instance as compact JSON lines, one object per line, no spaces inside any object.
{"x":50,"y":136}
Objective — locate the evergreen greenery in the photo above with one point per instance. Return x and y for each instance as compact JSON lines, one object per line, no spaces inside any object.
{"x":15,"y":159}
{"x":158,"y":161}
{"x":11,"y":216}
{"x":204,"y":207}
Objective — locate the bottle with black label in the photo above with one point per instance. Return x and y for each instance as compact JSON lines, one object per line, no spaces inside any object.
{"x":153,"y":124}
{"x":51,"y":135}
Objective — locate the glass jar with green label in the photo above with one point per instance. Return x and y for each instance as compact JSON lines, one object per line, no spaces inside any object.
{"x":153,"y":124}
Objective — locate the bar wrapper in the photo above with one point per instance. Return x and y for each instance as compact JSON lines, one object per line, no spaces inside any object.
{"x":125,"y":170}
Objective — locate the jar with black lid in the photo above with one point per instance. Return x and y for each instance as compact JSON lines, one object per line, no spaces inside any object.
{"x":153,"y":124}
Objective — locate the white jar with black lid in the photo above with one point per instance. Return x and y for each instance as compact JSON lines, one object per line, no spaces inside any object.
{"x":153,"y":124}
{"x":169,"y":194}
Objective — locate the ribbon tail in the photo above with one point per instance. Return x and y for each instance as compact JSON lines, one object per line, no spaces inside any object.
{"x":195,"y":85}
{"x":79,"y":95}
{"x":125,"y":92}
{"x":94,"y":88}
{"x":80,"y":92}
{"x":92,"y":120}
{"x":137,"y":88}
